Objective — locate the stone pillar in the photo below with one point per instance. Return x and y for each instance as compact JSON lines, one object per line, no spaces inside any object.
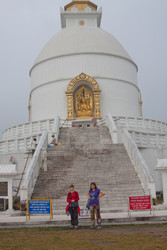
{"x":162,"y":167}
{"x":164,"y":182}
{"x":10,"y":195}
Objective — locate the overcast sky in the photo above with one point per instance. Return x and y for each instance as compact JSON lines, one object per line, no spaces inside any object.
{"x":26,"y":26}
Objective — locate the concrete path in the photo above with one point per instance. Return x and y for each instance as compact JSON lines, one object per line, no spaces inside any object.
{"x":144,"y":217}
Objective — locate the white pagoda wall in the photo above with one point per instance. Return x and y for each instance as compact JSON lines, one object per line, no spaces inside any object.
{"x":117,"y":78}
{"x":151,"y":155}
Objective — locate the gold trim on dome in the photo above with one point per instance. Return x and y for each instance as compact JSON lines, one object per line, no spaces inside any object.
{"x":87,"y":82}
{"x":81,"y":5}
{"x":82,"y":22}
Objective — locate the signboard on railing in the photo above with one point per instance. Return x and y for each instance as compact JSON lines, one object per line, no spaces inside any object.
{"x":140,"y":203}
{"x":39,"y":206}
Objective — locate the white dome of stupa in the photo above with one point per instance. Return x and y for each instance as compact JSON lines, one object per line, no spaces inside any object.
{"x":85,"y":40}
{"x":83,"y":47}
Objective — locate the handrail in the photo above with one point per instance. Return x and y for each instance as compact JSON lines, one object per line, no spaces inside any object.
{"x":140,"y":123}
{"x":138,"y":163}
{"x":149,"y":139}
{"x":122,"y":135}
{"x":33,"y":127}
{"x":112,"y":128}
{"x":32,"y":173}
{"x":65,"y":123}
{"x":56,"y":127}
{"x":18,"y":189}
{"x":17,"y":145}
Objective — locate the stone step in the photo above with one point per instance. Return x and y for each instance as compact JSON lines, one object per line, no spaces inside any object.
{"x":86,"y":155}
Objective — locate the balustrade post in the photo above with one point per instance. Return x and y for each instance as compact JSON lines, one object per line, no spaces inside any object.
{"x":7,"y":146}
{"x":39,"y":126}
{"x":16,"y":145}
{"x":48,"y":125}
{"x":30,"y":128}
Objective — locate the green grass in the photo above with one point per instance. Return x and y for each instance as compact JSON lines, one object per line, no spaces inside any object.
{"x":110,"y":237}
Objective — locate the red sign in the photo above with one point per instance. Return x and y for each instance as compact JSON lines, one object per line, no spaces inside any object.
{"x":140,"y":203}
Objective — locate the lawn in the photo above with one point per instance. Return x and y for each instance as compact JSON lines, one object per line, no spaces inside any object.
{"x":113,"y":237}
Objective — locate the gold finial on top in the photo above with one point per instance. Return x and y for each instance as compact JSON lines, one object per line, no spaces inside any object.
{"x":80,"y":5}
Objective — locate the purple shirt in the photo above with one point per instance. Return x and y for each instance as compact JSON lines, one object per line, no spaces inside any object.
{"x":94,"y":197}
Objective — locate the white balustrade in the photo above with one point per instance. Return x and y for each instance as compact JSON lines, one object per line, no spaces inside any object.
{"x":139,"y":163}
{"x":17,"y":145}
{"x":112,"y":128}
{"x":29,"y":128}
{"x":32,"y":173}
{"x":149,"y":140}
{"x":140,"y":124}
{"x":134,"y":154}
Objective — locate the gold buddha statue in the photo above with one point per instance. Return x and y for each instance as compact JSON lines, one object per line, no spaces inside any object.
{"x":84,"y":109}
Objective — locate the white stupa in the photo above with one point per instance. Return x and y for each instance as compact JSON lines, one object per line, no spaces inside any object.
{"x":83,"y":47}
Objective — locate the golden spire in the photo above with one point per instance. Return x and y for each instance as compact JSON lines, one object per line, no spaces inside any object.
{"x":80,"y":5}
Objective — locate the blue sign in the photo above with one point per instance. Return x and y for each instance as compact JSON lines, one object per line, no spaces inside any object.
{"x":39,"y":207}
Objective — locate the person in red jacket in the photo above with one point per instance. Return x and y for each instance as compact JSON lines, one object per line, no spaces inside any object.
{"x":73,"y":206}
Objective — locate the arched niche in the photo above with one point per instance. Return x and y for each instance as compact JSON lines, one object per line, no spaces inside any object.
{"x":75,"y":84}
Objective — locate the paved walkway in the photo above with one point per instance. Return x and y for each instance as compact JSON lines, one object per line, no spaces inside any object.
{"x":142,"y":217}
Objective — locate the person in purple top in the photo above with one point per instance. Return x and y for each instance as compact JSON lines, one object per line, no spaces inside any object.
{"x":94,"y":196}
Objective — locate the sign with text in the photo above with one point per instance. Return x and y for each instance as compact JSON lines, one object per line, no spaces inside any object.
{"x":85,"y":213}
{"x":39,"y":207}
{"x":2,"y":205}
{"x":140,"y":203}
{"x":3,"y":189}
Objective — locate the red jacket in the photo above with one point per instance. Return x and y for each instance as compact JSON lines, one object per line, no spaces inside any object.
{"x":73,"y":196}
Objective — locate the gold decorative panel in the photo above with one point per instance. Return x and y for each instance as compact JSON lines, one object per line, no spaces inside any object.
{"x":83,"y":98}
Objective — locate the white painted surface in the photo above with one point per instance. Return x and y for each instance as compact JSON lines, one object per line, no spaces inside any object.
{"x":7,"y":169}
{"x":151,"y":155}
{"x":162,"y":168}
{"x":141,"y":124}
{"x":17,"y":145}
{"x":72,"y":18}
{"x":164,"y":181}
{"x":29,"y":128}
{"x":117,"y":98}
{"x":94,"y":64}
{"x":32,"y":173}
{"x":79,"y":40}
{"x":139,"y":164}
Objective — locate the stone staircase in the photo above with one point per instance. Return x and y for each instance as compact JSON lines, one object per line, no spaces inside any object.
{"x":86,"y":155}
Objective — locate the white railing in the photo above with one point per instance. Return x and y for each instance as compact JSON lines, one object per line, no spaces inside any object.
{"x":56,"y":128}
{"x":28,"y":128}
{"x":101,"y":122}
{"x":122,"y":135}
{"x":32,"y":173}
{"x":112,"y":128}
{"x":139,"y":163}
{"x":23,"y":144}
{"x":17,"y":145}
{"x":140,"y":123}
{"x":65,"y":123}
{"x":151,"y":140}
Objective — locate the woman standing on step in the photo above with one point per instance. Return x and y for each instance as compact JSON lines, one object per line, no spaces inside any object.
{"x":94,"y":196}
{"x":73,"y":206}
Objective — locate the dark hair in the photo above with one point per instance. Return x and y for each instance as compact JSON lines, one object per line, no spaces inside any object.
{"x":72,"y":186}
{"x":93,"y":183}
{"x":35,"y":139}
